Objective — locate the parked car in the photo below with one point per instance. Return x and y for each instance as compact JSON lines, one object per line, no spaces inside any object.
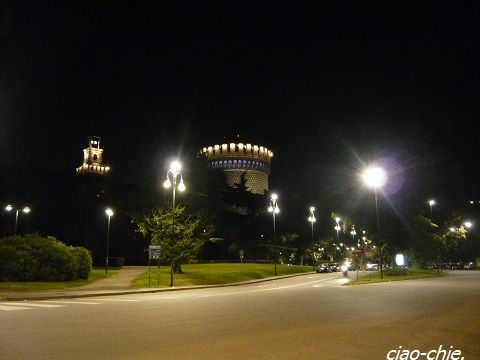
{"x":334,"y":267}
{"x":323,"y":268}
{"x":371,"y":267}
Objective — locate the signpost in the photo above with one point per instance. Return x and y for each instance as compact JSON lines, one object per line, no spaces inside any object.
{"x":154,"y":253}
{"x":241,"y":252}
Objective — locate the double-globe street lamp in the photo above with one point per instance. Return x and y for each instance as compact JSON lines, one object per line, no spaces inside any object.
{"x":25,"y":210}
{"x":376,"y":177}
{"x":174,"y":173}
{"x":337,"y":227}
{"x":109,"y":213}
{"x":274,"y":209}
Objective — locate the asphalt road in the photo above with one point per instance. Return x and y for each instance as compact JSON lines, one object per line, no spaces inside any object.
{"x":305,"y":317}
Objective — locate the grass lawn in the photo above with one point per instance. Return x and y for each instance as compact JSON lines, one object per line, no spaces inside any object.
{"x":393,"y":275}
{"x":95,"y":274}
{"x":204,"y":274}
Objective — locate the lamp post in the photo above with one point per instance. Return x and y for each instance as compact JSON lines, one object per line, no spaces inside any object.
{"x":353,"y":233}
{"x":274,"y":209}
{"x":312,"y":219}
{"x":431,"y":203}
{"x":337,"y":227}
{"x":376,"y":177}
{"x":26,"y":210}
{"x":174,"y":173}
{"x":109,"y":213}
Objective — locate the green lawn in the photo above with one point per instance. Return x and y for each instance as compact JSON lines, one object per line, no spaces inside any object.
{"x":411,"y":273}
{"x":223,"y":273}
{"x":204,"y":274}
{"x":95,"y":274}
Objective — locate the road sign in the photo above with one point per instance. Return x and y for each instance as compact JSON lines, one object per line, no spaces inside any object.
{"x":154,"y":251}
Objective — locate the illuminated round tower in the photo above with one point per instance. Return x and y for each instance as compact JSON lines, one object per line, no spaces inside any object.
{"x":237,"y":159}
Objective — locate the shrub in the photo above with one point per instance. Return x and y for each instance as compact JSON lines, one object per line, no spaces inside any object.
{"x":36,"y":258}
{"x":116,"y":261}
{"x":84,"y":261}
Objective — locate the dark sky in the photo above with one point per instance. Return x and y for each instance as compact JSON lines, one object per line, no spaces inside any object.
{"x":327,"y":85}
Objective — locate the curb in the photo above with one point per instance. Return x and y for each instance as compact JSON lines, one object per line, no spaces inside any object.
{"x":97,"y":293}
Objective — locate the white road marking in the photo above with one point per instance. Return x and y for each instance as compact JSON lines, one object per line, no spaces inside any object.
{"x":30,"y":304}
{"x":271,"y":288}
{"x":10,"y":308}
{"x":118,"y":300}
{"x":71,"y":302}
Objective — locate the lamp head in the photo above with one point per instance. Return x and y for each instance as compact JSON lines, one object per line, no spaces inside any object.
{"x":375,"y":177}
{"x":181,"y":186}
{"x":175,"y":166}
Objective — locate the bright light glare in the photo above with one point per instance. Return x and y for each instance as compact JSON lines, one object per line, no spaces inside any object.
{"x":181,"y":186}
{"x":274,"y":196}
{"x":431,"y":202}
{"x":109,"y":212}
{"x":176,"y":166}
{"x":26,"y":210}
{"x":399,"y":259}
{"x":375,"y":177}
{"x":167,"y":183}
{"x":9,"y":207}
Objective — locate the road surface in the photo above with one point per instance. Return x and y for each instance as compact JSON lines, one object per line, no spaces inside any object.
{"x":305,"y":317}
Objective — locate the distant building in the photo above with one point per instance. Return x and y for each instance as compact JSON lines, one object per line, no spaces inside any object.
{"x":92,"y":158}
{"x":242,"y":159}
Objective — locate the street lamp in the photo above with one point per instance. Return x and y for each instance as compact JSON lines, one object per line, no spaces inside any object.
{"x":174,"y":173}
{"x":431,"y":203}
{"x":109,"y":212}
{"x":312,"y":219}
{"x":337,"y":227}
{"x":274,"y":209}
{"x":26,"y":210}
{"x":376,"y":177}
{"x":353,"y":233}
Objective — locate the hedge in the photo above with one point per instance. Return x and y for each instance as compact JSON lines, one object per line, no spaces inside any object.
{"x":37,"y":258}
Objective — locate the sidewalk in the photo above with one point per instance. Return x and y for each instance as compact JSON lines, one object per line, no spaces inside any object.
{"x":117,"y":284}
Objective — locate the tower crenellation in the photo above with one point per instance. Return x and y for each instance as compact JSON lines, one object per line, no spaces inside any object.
{"x":236,"y":159}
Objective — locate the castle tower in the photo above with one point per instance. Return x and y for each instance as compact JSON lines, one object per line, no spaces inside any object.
{"x":92,"y":158}
{"x":236,"y":159}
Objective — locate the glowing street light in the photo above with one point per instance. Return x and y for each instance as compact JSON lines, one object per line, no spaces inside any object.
{"x":431,"y":203}
{"x":376,"y":177}
{"x":337,"y":227}
{"x":274,"y":209}
{"x":353,"y":233}
{"x":174,"y":173}
{"x":109,"y":213}
{"x":26,"y":210}
{"x":312,"y":219}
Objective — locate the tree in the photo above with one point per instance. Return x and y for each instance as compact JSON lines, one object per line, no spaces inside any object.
{"x":426,"y":241}
{"x":455,"y":240}
{"x":317,"y":250}
{"x":180,"y":233}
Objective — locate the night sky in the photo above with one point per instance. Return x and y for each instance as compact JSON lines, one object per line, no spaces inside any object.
{"x":327,"y":85}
